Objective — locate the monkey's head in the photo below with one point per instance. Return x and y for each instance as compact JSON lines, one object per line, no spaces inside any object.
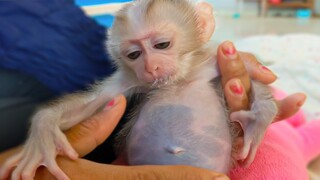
{"x":157,"y":40}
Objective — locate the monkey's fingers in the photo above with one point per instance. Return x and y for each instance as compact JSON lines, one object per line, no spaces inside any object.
{"x":246,"y":162}
{"x":290,"y":105}
{"x":253,"y":146}
{"x":253,"y":126}
{"x":64,"y":147}
{"x":9,"y":166}
{"x":244,"y":118}
{"x":48,"y":157}
{"x":31,"y":158}
{"x":54,"y":169}
{"x":27,"y":168}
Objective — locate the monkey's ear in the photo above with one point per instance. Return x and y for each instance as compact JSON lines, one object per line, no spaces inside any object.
{"x":206,"y":22}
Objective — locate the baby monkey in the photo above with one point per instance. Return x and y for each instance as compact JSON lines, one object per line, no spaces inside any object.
{"x":161,"y":49}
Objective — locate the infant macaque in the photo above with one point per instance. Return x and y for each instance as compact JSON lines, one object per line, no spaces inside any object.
{"x":161,"y":49}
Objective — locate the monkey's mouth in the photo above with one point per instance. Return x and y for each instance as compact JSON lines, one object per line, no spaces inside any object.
{"x":158,"y":83}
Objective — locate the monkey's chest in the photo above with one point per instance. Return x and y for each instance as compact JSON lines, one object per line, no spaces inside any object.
{"x":182,"y":126}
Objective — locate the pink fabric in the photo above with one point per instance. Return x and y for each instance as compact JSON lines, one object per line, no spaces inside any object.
{"x":287,"y":148}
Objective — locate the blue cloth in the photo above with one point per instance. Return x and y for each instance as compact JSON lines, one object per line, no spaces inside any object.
{"x":53,"y":41}
{"x":97,"y":2}
{"x":103,"y":19}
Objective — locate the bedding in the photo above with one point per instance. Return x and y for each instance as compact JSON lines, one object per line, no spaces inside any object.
{"x":295,"y":58}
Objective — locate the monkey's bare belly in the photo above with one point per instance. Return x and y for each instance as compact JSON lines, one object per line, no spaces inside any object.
{"x":187,"y":126}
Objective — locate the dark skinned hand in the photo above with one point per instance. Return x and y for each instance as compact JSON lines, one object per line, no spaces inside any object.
{"x":236,"y":69}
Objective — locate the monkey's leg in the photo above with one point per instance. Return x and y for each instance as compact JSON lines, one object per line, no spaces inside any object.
{"x":254,"y":122}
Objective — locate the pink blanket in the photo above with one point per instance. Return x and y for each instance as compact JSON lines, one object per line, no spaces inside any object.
{"x":286,"y":150}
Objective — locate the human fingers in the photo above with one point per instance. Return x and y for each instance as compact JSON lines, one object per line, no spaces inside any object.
{"x":84,"y":169}
{"x":231,"y":66}
{"x":90,"y":133}
{"x":234,"y":77}
{"x":235,"y":95}
{"x":176,"y":172}
{"x":256,"y":70}
{"x":290,"y":105}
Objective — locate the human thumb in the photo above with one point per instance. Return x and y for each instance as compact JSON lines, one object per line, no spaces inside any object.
{"x":87,"y":135}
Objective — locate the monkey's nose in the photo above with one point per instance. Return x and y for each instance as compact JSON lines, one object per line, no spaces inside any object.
{"x":152,"y":69}
{"x":155,"y":73}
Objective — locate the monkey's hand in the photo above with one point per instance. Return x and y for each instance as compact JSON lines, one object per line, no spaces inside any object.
{"x":41,"y":148}
{"x":254,"y":123}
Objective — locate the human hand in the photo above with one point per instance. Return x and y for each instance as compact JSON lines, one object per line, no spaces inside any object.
{"x":236,"y":70}
{"x":87,"y":135}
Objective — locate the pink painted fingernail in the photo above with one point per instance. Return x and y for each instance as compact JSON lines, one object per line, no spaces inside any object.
{"x":300,"y":103}
{"x":110,"y":104}
{"x":236,"y":87}
{"x":266,"y":70}
{"x":229,"y":50}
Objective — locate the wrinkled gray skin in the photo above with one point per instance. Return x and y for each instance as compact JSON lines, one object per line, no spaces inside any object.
{"x":188,"y":124}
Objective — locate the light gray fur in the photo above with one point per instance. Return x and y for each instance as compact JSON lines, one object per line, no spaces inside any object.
{"x":188,"y":124}
{"x":255,"y":121}
{"x":186,"y":119}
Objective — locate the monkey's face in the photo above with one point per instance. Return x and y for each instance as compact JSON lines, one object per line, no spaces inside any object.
{"x":155,"y":39}
{"x":153,"y":55}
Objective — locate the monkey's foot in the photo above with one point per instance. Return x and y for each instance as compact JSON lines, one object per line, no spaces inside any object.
{"x":254,"y":130}
{"x":38,"y":152}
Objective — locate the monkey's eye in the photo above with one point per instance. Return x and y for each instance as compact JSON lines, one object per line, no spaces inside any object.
{"x":162,"y":45}
{"x":134,"y":55}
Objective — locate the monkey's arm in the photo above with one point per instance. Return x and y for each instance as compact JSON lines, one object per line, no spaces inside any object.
{"x":80,"y":106}
{"x":255,"y":121}
{"x":46,"y":138}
